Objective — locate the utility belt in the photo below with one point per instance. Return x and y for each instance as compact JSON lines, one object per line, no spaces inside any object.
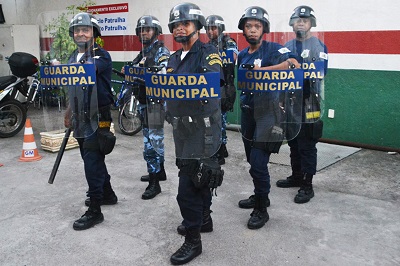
{"x":105,"y":141}
{"x":203,"y":173}
{"x":312,"y":108}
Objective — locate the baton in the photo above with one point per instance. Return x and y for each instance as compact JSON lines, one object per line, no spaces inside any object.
{"x":59,"y":156}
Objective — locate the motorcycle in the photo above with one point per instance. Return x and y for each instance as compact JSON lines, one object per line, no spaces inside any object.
{"x":17,"y":92}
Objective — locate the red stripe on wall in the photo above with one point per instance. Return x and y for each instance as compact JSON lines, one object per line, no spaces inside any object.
{"x":363,"y":42}
{"x":341,"y":42}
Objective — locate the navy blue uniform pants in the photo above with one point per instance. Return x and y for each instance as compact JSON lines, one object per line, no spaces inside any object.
{"x":257,"y":158}
{"x":95,"y":167}
{"x":192,"y":201}
{"x":303,"y":154}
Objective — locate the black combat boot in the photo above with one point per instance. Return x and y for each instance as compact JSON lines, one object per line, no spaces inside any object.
{"x":162,"y":176}
{"x":250,"y":203}
{"x":109,"y":197}
{"x":190,"y":249}
{"x":291,"y":181}
{"x":224,"y":151}
{"x":153,"y":189}
{"x":259,"y":216}
{"x":206,"y":227}
{"x":91,"y":217}
{"x":306,"y":191}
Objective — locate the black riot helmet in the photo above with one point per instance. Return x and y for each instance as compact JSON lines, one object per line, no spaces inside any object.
{"x":215,"y":20}
{"x":303,"y":12}
{"x":85,"y":19}
{"x":185,"y":12}
{"x":255,"y":12}
{"x":150,"y":22}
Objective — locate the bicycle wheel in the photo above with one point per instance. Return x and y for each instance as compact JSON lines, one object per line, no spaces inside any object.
{"x":129,"y":121}
{"x":12,"y":118}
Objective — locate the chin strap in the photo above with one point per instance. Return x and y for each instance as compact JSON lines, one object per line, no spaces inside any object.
{"x":253,"y":41}
{"x":184,"y":39}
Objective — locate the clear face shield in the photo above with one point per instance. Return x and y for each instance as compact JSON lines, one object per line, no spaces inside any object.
{"x":68,"y":75}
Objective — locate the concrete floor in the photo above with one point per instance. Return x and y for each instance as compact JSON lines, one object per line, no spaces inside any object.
{"x":354,"y":218}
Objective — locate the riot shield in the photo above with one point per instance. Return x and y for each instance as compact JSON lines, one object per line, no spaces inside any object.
{"x":151,"y":56}
{"x":217,"y":35}
{"x":193,"y":109}
{"x":270,"y":103}
{"x":188,"y":100}
{"x":304,"y":37}
{"x":270,"y":100}
{"x":68,"y":76}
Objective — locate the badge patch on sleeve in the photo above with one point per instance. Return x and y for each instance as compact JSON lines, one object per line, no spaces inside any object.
{"x":323,"y":55}
{"x":162,"y":59}
{"x":214,"y":59}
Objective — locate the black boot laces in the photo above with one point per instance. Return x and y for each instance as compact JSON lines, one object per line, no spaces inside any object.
{"x":185,"y":248}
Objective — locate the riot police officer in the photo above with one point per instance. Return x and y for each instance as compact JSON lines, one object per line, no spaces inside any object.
{"x":84,"y":28}
{"x":303,"y":151}
{"x":215,"y":26}
{"x":153,"y":53}
{"x":195,"y":127}
{"x":261,"y":55}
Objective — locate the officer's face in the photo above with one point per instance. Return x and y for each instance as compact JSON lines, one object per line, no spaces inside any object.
{"x":253,"y":29}
{"x":212,"y":32}
{"x":302,"y":24}
{"x":83,"y":33}
{"x":183,"y":28}
{"x":146,"y":33}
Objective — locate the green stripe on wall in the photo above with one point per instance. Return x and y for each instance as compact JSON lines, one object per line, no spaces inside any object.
{"x":366,"y":105}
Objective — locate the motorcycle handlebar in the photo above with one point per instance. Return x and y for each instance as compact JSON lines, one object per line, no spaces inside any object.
{"x":118,"y":73}
{"x":133,"y":79}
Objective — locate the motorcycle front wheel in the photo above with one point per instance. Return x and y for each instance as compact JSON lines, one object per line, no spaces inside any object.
{"x":128,"y":118}
{"x":12,"y":118}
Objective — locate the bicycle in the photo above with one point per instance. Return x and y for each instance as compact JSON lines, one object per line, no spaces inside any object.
{"x":129,"y":121}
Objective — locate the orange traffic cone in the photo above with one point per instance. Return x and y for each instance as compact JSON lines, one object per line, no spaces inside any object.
{"x":29,"y":149}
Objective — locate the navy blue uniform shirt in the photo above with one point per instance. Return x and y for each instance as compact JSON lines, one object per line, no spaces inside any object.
{"x":200,"y":58}
{"x":103,"y":64}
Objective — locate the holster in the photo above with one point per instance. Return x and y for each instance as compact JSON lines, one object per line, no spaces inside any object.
{"x":276,"y":137}
{"x":270,"y":147}
{"x":209,"y":174}
{"x":203,"y":173}
{"x":106,"y":139}
{"x":313,"y":130}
